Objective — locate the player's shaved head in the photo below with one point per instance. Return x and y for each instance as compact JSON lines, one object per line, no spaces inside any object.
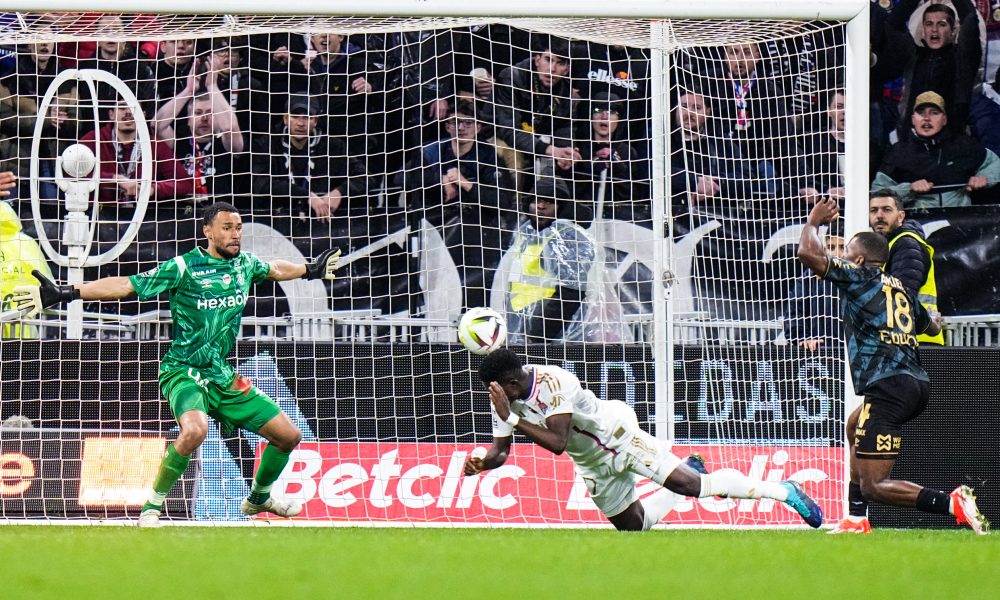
{"x":873,"y":246}
{"x":501,"y":366}
{"x":214,"y":210}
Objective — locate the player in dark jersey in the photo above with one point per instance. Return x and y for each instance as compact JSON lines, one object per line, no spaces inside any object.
{"x":881,"y":323}
{"x":208,"y":290}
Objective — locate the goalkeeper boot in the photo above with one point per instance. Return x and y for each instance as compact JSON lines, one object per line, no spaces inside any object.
{"x":852,"y":525}
{"x":803,"y":504}
{"x":149,"y":518}
{"x":966,"y":512}
{"x":282,"y":508}
{"x":696,"y":462}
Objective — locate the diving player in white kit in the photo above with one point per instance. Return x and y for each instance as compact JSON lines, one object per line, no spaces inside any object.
{"x":611,"y":452}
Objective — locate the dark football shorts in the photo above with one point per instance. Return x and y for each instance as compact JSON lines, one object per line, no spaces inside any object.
{"x":889,"y":403}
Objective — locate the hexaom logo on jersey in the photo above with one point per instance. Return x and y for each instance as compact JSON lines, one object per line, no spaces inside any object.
{"x":224,"y":302}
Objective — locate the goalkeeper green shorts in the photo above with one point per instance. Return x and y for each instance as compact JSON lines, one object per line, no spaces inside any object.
{"x":240,"y":405}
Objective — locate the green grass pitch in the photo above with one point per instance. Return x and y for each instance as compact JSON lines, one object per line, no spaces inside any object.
{"x":189,"y":563}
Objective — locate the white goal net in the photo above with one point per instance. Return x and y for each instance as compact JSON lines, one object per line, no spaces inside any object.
{"x":627,"y":192}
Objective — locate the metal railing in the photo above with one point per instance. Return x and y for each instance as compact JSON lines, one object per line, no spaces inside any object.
{"x":371,"y":326}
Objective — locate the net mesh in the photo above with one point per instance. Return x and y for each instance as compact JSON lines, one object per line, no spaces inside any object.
{"x":423,"y":148}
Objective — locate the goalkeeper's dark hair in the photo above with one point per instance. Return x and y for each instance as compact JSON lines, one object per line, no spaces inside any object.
{"x":209,"y":214}
{"x":500,"y":366}
{"x":874,"y":247}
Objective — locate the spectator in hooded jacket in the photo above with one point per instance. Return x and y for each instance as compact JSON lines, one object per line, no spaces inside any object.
{"x":911,"y":258}
{"x":936,"y":165}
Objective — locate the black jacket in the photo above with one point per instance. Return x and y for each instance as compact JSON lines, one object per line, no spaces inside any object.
{"x":528,"y":116}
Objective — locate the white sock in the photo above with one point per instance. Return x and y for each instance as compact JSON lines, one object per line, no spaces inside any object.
{"x":729,"y":484}
{"x":656,"y":506}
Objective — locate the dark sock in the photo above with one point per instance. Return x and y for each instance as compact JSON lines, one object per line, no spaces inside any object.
{"x":856,"y":503}
{"x":933,"y":501}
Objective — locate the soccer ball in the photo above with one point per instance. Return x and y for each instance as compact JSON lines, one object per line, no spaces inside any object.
{"x":482,"y":330}
{"x":78,"y":161}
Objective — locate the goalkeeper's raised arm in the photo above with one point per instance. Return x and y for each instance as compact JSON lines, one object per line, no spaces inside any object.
{"x":223,"y":229}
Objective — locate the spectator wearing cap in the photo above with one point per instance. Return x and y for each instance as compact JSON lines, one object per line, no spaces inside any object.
{"x":605,"y":151}
{"x":120,"y":162}
{"x":203,"y":131}
{"x":935,"y":165}
{"x":621,"y":70}
{"x":299,"y":171}
{"x":534,"y":103}
{"x":552,"y":258}
{"x":947,"y":58}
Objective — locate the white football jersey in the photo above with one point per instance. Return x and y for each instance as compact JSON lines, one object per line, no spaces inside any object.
{"x":599,"y":427}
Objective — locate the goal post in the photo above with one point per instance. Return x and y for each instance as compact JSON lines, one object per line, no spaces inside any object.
{"x":680,"y":244}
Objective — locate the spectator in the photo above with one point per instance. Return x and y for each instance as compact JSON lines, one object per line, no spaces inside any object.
{"x":120,"y":59}
{"x":548,"y":279}
{"x":120,"y":158}
{"x":947,"y":58}
{"x":334,"y":68}
{"x":812,"y":319}
{"x":301,"y":172}
{"x":534,"y":104}
{"x":417,"y":79}
{"x":934,"y":165}
{"x":173,"y":69}
{"x":459,"y":171}
{"x":19,"y":256}
{"x":822,"y":154}
{"x":604,"y":149}
{"x":750,"y":111}
{"x":61,"y":129}
{"x":984,"y":122}
{"x":242,"y":91}
{"x":622,"y":71}
{"x":208,"y":142}
{"x":892,"y":49}
{"x":911,"y":258}
{"x":37,"y":68}
{"x":703,"y":166}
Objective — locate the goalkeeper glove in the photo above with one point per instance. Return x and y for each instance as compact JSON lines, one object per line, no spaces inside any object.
{"x":324,"y":266}
{"x":33,"y":299}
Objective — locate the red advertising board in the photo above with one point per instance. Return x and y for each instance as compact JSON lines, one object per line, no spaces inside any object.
{"x":423,"y":483}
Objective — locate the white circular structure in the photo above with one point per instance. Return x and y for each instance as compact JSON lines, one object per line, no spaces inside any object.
{"x":78,"y":161}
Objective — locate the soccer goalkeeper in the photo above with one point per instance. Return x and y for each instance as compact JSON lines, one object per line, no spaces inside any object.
{"x":208,"y":291}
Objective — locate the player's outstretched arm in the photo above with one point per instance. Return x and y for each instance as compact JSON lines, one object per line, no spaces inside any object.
{"x":323,"y":267}
{"x":33,"y":299}
{"x":812,"y":250}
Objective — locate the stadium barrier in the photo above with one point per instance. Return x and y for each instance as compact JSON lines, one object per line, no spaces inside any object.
{"x":381,"y":447}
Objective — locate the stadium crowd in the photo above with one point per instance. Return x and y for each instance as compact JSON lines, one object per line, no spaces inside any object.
{"x":458,"y":125}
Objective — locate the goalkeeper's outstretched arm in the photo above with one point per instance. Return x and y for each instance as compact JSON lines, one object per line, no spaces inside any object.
{"x":33,"y":299}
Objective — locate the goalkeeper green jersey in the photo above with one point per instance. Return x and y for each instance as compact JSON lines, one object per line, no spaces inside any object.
{"x":207,"y":297}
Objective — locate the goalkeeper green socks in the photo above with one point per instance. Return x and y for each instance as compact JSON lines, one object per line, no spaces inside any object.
{"x":272,"y":463}
{"x":172,"y":467}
